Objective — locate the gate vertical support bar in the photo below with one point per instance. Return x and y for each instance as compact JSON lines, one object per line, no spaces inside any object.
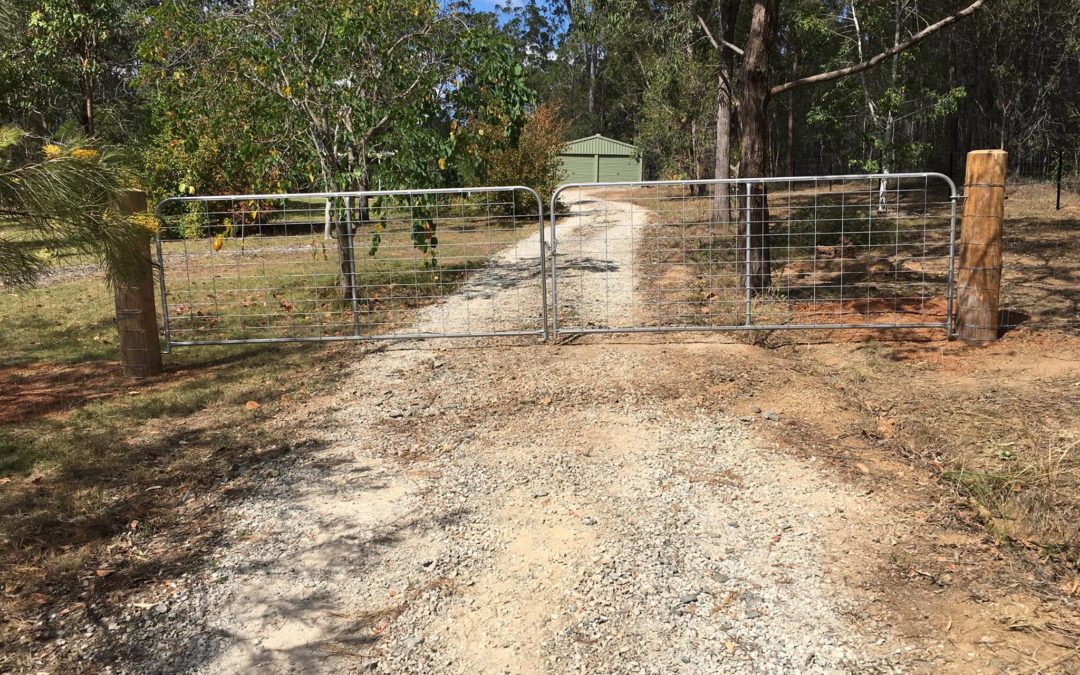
{"x":979,"y":270}
{"x":350,"y":234}
{"x":747,"y":235}
{"x":553,"y":244}
{"x":163,"y":295}
{"x":1061,"y":156}
{"x":543,"y":264}
{"x":136,"y":316}
{"x":950,"y":281}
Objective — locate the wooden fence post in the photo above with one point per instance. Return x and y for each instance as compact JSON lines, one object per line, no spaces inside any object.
{"x":136,"y":318}
{"x":979,"y":268}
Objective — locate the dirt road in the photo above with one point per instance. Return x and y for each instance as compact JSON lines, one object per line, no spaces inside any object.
{"x":591,"y":507}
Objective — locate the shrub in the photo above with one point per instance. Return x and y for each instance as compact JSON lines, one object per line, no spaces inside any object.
{"x":533,"y":161}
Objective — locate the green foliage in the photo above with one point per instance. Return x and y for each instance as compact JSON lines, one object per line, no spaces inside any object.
{"x":192,"y":225}
{"x":65,"y":60}
{"x":57,"y":198}
{"x":533,"y":161}
{"x":342,"y":95}
{"x":336,"y":95}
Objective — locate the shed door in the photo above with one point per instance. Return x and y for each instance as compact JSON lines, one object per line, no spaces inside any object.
{"x":615,"y":169}
{"x":579,"y":168}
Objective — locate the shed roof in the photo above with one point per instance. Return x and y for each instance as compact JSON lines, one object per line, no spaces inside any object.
{"x":599,"y":145}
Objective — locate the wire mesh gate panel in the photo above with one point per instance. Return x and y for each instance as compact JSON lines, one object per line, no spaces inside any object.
{"x":870,"y":251}
{"x":352,"y":265}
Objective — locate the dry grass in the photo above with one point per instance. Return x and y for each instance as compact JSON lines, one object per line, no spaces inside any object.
{"x":1003,"y":431}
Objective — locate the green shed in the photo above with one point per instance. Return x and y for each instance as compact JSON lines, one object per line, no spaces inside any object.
{"x":598,"y":159}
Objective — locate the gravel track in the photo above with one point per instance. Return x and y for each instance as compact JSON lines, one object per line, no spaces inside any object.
{"x":472,"y":507}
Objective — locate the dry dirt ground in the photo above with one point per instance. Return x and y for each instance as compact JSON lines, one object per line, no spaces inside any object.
{"x":604,"y":505}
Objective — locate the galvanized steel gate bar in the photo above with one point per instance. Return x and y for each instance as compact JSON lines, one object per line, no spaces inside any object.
{"x":885,"y":235}
{"x":258,"y":268}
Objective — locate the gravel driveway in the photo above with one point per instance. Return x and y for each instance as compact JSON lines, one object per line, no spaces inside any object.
{"x":512,"y":508}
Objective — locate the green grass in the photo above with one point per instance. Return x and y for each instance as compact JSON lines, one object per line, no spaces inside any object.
{"x":64,"y":323}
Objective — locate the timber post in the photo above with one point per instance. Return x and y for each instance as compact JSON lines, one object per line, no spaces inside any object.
{"x":980,"y":248}
{"x":136,"y":316}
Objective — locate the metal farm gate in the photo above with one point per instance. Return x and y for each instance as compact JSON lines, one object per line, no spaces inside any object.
{"x":869,"y":251}
{"x":387,"y":264}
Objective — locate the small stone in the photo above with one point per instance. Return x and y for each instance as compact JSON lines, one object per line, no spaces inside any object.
{"x":772,"y":416}
{"x":540,"y":493}
{"x":685,"y":659}
{"x":588,"y":521}
{"x":161,"y":608}
{"x":687,"y":598}
{"x":752,"y":614}
{"x":719,"y":577}
{"x":756,"y":410}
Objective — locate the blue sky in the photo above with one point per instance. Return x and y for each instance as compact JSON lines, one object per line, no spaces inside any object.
{"x":489,"y":5}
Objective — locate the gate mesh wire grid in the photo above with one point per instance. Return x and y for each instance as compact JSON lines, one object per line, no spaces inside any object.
{"x":333,"y":266}
{"x":865,"y":251}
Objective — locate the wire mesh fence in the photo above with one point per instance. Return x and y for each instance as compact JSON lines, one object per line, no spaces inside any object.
{"x":333,"y":266}
{"x":866,"y":251}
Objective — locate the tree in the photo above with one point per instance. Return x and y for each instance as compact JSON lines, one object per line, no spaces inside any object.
{"x":675,"y":126}
{"x":68,"y":59}
{"x":355,"y":80}
{"x":753,"y":109}
{"x":727,"y":12}
{"x":56,"y":198}
{"x":349,"y":93}
{"x":533,"y":161}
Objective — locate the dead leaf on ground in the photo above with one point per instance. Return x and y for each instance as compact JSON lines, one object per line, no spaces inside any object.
{"x":251,"y":405}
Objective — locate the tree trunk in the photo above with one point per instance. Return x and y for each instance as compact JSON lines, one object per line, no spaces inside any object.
{"x":789,"y":161}
{"x":346,"y":251}
{"x":753,"y":146}
{"x":724,"y":104}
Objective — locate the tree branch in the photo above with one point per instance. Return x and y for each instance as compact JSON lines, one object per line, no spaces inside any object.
{"x":877,"y":59}
{"x":712,"y":40}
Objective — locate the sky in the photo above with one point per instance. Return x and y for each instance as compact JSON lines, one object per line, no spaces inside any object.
{"x":489,"y":5}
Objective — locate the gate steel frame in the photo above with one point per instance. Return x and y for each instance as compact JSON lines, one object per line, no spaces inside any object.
{"x":948,"y":324}
{"x":168,"y":343}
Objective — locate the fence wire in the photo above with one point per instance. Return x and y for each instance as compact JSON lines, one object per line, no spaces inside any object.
{"x":337,"y":266}
{"x":866,"y":251}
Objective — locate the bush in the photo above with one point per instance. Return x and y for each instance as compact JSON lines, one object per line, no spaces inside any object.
{"x":533,"y":161}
